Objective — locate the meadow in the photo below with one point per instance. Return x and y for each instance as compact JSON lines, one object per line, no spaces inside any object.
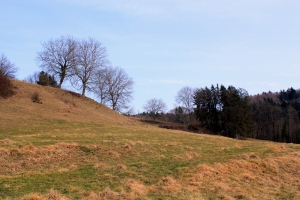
{"x":66,"y":146}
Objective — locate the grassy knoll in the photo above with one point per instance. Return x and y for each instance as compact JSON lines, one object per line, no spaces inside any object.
{"x":56,"y":150}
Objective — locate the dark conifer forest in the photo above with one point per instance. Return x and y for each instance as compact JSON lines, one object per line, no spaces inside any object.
{"x":276,"y":116}
{"x":232,"y":112}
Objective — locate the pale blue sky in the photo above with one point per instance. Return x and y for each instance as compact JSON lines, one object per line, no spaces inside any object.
{"x":165,"y":45}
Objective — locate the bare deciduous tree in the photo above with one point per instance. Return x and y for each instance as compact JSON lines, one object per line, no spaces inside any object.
{"x":58,"y":57}
{"x":91,"y":56}
{"x":114,"y":88}
{"x":7,"y":68}
{"x":34,"y":78}
{"x":185,"y":98}
{"x":130,"y":111}
{"x":100,"y":85}
{"x":155,"y":106}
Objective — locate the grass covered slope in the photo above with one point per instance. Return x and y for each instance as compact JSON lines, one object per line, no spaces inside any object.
{"x":70,"y":147}
{"x":53,"y":104}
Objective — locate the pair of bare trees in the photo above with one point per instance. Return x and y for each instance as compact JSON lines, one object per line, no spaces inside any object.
{"x":113,"y":87}
{"x":84,"y":63}
{"x":77,"y":60}
{"x":185,"y":99}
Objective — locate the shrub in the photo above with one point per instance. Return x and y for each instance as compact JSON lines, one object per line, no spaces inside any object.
{"x":7,"y":68}
{"x":194,"y":126}
{"x":35,"y":97}
{"x":6,"y":87}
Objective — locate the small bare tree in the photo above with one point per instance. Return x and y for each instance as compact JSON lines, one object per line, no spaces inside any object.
{"x":34,"y":78}
{"x":100,"y":85}
{"x":154,"y":107}
{"x":120,"y":88}
{"x":58,"y":57}
{"x":185,"y":98}
{"x":7,"y":68}
{"x":91,"y":56}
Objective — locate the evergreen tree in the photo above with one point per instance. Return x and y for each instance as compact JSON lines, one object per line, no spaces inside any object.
{"x":46,"y":80}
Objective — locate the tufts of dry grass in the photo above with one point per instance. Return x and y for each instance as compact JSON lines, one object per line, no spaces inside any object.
{"x":33,"y":197}
{"x":101,"y":166}
{"x":191,"y":155}
{"x":279,"y":148}
{"x":109,"y":194}
{"x":121,"y":167}
{"x":136,"y":188}
{"x":114,"y":154}
{"x":6,"y":141}
{"x":52,"y":195}
{"x":55,"y":195}
{"x":232,"y":180}
{"x":143,"y":164}
{"x":169,"y":185}
{"x":127,"y":147}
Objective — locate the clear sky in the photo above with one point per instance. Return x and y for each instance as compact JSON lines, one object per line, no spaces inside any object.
{"x":165,"y":45}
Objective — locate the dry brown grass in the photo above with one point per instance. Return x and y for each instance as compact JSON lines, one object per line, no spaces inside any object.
{"x":169,"y":185}
{"x":101,"y":166}
{"x":143,"y":164}
{"x":136,"y":188}
{"x":121,"y":167}
{"x":191,"y":155}
{"x":30,"y":157}
{"x":114,"y":154}
{"x":56,"y":104}
{"x":52,"y":195}
{"x":55,"y":195}
{"x":33,"y":197}
{"x":6,"y":141}
{"x":127,"y":147}
{"x":109,"y":194}
{"x":232,"y":180}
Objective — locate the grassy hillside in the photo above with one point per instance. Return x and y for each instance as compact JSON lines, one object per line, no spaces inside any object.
{"x":70,"y":147}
